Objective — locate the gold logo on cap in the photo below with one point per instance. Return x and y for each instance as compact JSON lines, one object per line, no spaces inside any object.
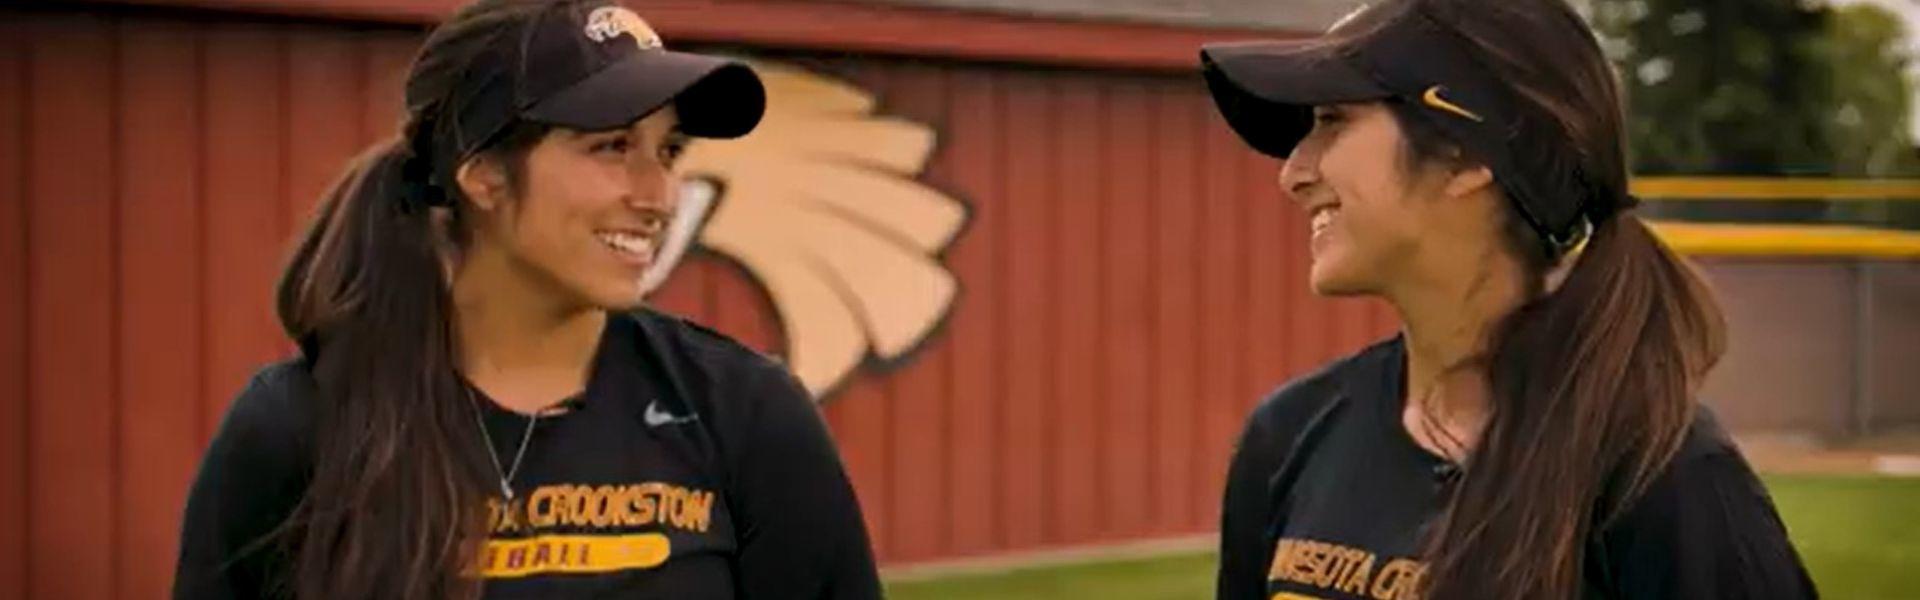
{"x":1433,"y":99}
{"x":608,"y":22}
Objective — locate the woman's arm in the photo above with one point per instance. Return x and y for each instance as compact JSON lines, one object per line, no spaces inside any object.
{"x":249,"y":481}
{"x":1245,"y":551}
{"x":800,"y":528}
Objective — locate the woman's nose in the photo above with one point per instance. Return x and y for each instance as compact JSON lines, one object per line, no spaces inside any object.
{"x":1300,"y":172}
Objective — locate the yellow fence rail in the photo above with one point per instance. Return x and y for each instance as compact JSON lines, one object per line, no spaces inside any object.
{"x":1776,"y":188}
{"x":1781,"y":239}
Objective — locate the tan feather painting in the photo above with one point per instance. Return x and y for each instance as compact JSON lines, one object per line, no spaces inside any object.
{"x":822,"y":205}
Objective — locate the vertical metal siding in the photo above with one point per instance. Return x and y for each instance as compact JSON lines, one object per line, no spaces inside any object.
{"x":1132,"y":283}
{"x":162,"y":292}
{"x":71,"y":287}
{"x":14,"y":309}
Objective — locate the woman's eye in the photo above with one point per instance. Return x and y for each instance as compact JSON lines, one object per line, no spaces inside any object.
{"x":670,"y":152}
{"x":618,"y":145}
{"x":1326,"y":117}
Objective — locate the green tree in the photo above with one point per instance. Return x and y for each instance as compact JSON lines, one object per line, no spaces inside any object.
{"x":1765,"y":87}
{"x":1869,"y":124}
{"x":1870,"y":127}
{"x":1722,"y":86}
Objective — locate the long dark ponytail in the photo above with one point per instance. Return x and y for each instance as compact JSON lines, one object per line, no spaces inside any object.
{"x":393,"y":505}
{"x":396,"y":505}
{"x":1591,"y":395}
{"x":1591,"y":382}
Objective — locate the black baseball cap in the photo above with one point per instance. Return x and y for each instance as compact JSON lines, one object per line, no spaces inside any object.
{"x":589,"y":65}
{"x":1404,"y":51}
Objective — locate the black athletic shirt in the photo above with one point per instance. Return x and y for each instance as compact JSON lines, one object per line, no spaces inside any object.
{"x":1328,"y":493}
{"x":690,"y":468}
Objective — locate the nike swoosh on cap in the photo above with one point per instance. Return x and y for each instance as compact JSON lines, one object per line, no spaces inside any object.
{"x":1433,"y":99}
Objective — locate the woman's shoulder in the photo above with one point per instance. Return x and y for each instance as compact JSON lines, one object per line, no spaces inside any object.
{"x":722,"y":375}
{"x":277,"y":403}
{"x":1705,"y":527}
{"x":1707,"y":464}
{"x":746,"y":397}
{"x":1705,"y":439}
{"x":708,"y":349}
{"x":266,"y":436}
{"x":1707,"y":459}
{"x":1302,"y":397}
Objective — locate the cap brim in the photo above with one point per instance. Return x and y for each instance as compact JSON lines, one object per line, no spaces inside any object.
{"x":715,"y":97}
{"x":1267,"y":90}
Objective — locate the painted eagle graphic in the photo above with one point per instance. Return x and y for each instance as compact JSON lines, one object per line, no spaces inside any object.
{"x":822,"y":207}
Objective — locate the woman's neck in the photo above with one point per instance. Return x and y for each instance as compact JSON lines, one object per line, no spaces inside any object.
{"x":1448,"y":324}
{"x":522,"y":344}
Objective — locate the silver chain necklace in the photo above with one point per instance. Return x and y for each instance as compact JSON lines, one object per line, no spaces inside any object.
{"x":506,"y":474}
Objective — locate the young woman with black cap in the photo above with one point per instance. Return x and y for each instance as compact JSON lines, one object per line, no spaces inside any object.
{"x":477,"y":408}
{"x":1532,"y":433}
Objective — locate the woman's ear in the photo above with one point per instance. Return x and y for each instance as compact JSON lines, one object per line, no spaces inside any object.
{"x":483,"y":182}
{"x":1468,"y":180}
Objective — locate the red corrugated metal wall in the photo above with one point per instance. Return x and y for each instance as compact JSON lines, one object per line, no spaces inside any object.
{"x":1131,"y":284}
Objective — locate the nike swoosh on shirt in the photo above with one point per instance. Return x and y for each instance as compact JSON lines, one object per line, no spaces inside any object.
{"x":656,"y":417}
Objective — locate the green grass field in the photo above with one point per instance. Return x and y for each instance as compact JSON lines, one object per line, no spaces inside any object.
{"x":1859,"y":535}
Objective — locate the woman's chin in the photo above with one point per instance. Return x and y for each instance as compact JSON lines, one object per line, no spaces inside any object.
{"x":1329,"y":278}
{"x":614,"y":296}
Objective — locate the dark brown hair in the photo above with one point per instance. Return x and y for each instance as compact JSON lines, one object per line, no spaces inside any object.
{"x":1591,"y":383}
{"x":396,"y":504}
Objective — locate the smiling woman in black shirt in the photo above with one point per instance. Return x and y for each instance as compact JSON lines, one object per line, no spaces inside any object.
{"x":1533,"y":432}
{"x":480,"y":407}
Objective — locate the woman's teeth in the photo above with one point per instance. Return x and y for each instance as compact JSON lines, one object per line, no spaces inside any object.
{"x":627,"y":243}
{"x":1323,"y":218}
